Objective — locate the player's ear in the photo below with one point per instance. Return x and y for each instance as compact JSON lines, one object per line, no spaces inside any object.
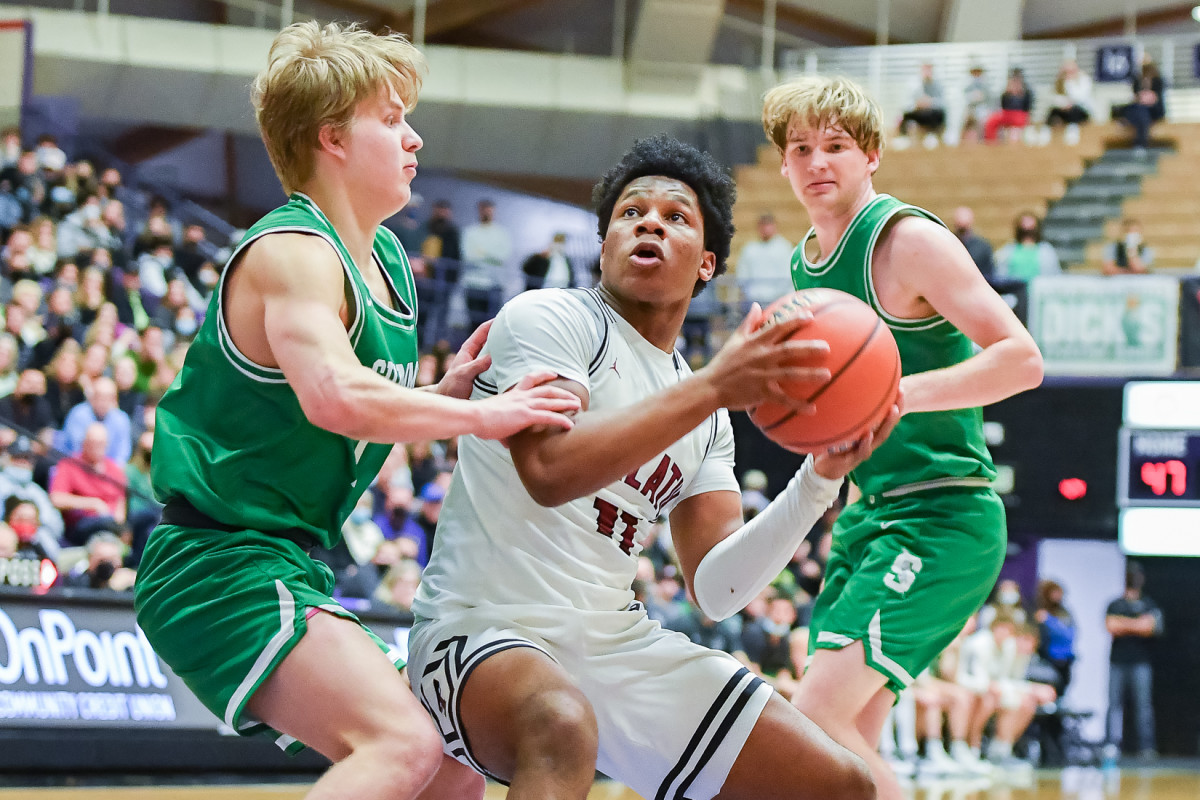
{"x":331,"y":139}
{"x":873,"y":161}
{"x":708,"y":265}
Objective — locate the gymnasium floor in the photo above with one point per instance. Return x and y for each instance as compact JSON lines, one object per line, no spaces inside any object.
{"x":1161,"y":783}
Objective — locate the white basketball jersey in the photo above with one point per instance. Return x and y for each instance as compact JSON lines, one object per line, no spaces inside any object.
{"x":494,"y":544}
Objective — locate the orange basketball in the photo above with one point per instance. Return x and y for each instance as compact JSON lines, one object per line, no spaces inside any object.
{"x":863,"y":362}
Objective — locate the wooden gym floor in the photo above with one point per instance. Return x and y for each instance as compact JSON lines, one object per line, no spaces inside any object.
{"x":1077,"y":784}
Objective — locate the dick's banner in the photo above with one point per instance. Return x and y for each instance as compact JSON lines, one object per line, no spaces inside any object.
{"x":1094,"y":325}
{"x":75,"y":662}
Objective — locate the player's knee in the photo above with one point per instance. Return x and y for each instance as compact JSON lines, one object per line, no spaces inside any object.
{"x":413,"y":753}
{"x":560,"y":725}
{"x":854,"y":778}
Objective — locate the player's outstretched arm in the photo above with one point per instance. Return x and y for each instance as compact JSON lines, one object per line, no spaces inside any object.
{"x":932,"y":264}
{"x":558,"y":466}
{"x":727,"y":563}
{"x":294,"y":283}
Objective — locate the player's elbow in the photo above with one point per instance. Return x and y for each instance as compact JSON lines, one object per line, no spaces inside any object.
{"x":547,"y":492}
{"x":1029,"y":369}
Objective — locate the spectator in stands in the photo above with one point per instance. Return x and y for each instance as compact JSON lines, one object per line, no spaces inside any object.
{"x":34,"y":540}
{"x":19,"y":242}
{"x":444,"y":240}
{"x":159,"y":225}
{"x":979,"y":248}
{"x":43,"y":253}
{"x":1015,"y":104}
{"x":1133,"y":620}
{"x":766,"y":642}
{"x":421,"y":526}
{"x":104,"y":567}
{"x":927,"y":111}
{"x":23,"y":182}
{"x":1006,"y":601}
{"x":27,"y":407}
{"x":977,"y":104}
{"x":763,"y":269}
{"x":135,"y":306}
{"x":156,"y":266}
{"x":10,"y":146}
{"x":1148,"y":105}
{"x":155,"y":372}
{"x":90,"y":490}
{"x":549,"y":268}
{"x":192,"y":254}
{"x":754,"y":498}
{"x":90,"y":295}
{"x":399,"y":585}
{"x":100,"y":408}
{"x":984,"y":662}
{"x":125,"y":376}
{"x":143,"y":511}
{"x":17,"y":484}
{"x":1057,"y":633}
{"x":1128,"y":255}
{"x":63,"y":390}
{"x":9,"y":364}
{"x":1028,"y":255}
{"x":94,"y":363}
{"x":1072,"y":104}
{"x":50,"y":157}
{"x":486,"y":249}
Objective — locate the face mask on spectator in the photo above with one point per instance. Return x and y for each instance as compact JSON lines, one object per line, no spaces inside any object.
{"x":20,"y":474}
{"x":776,"y":628}
{"x":103,"y":573}
{"x":185,"y":327}
{"x":91,"y":212}
{"x":24,"y":529}
{"x":1009,"y":598}
{"x":359,"y":515}
{"x":1132,"y":240}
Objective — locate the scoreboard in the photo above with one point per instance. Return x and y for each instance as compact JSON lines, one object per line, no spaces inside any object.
{"x":1158,"y":469}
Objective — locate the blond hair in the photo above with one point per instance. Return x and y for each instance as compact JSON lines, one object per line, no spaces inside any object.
{"x":821,"y":101}
{"x":317,"y":76}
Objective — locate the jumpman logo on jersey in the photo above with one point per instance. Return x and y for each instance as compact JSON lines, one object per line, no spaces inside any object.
{"x":613,"y":367}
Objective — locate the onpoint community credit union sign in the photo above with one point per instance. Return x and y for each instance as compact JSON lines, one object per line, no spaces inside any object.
{"x":1093,"y":325}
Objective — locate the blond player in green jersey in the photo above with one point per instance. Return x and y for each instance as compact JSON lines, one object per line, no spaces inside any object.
{"x":918,"y":552}
{"x":297,"y":385}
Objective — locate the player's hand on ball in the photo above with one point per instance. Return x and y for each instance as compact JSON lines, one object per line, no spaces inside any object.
{"x":762,"y":355}
{"x":838,"y":461}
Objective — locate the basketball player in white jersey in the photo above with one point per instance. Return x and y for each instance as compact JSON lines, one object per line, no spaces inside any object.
{"x":529,"y":650}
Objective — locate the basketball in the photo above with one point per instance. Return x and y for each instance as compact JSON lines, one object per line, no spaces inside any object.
{"x":863,"y":362}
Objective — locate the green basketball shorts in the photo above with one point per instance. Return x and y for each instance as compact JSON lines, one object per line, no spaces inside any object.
{"x":905,"y":573}
{"x":223,"y":609}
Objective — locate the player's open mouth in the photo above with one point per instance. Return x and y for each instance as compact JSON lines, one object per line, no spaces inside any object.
{"x":647,"y":255}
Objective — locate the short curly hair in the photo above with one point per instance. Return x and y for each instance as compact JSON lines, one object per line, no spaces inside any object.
{"x":666,"y":156}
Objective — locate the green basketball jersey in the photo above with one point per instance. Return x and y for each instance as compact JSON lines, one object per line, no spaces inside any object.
{"x":942,"y":447}
{"x":231,"y":438}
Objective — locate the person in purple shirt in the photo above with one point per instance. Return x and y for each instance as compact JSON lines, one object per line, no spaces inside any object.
{"x":101,"y":406}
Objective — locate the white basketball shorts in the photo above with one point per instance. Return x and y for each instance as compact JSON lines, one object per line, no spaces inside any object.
{"x":672,"y":715}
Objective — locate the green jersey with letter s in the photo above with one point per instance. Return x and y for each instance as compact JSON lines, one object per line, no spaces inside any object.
{"x":231,"y":438}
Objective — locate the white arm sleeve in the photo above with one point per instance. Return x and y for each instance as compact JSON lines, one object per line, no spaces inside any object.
{"x":742,"y":564}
